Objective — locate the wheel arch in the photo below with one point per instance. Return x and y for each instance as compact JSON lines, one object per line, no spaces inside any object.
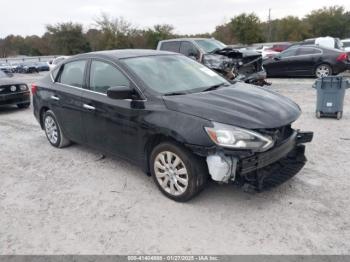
{"x":41,"y":115}
{"x":155,"y":140}
{"x":323,"y":63}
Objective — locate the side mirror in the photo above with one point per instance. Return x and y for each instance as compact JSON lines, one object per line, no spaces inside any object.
{"x":120,"y":92}
{"x":50,"y":62}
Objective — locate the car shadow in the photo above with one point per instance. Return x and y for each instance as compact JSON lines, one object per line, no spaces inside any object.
{"x":9,"y":109}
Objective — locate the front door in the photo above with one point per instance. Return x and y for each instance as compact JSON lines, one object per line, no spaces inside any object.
{"x":110,"y":125}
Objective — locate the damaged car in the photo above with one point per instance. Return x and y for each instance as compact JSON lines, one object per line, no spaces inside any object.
{"x":181,"y":122}
{"x":233,"y":64}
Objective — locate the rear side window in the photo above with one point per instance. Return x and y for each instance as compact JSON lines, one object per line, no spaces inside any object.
{"x":104,"y":75}
{"x":73,"y":73}
{"x":188,"y":49}
{"x":308,"y":51}
{"x":171,"y":46}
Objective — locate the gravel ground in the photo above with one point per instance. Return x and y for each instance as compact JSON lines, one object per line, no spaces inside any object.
{"x":70,"y":201}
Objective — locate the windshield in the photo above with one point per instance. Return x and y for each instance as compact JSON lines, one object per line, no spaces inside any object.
{"x":210,"y":45}
{"x":173,"y":74}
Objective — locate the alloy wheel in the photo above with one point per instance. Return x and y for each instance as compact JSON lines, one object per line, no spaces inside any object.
{"x":51,"y":129}
{"x":171,"y":173}
{"x":322,"y":71}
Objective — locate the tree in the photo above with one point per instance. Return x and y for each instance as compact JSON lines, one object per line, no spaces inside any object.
{"x":67,"y":38}
{"x":225,"y":34}
{"x":329,"y":21}
{"x":247,"y":28}
{"x":158,"y":33}
{"x":290,"y":28}
{"x":115,"y":32}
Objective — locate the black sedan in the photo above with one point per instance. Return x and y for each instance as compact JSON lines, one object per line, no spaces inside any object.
{"x":13,"y":92}
{"x":178,"y":120}
{"x":307,"y":61}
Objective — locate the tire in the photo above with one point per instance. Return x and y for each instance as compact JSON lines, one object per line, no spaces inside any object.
{"x":318,"y":114}
{"x":323,"y":70}
{"x":53,"y":130}
{"x":23,"y":106}
{"x":339,"y":115}
{"x":182,"y":181}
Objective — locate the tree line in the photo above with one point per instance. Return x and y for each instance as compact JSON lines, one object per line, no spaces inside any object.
{"x":114,"y":33}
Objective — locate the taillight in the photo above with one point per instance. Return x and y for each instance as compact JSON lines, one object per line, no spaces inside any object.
{"x":342,"y":57}
{"x":34,"y":88}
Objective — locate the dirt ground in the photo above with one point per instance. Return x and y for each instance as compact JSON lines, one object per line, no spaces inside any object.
{"x":70,"y":201}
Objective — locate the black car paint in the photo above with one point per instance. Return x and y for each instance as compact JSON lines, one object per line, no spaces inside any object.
{"x":129,"y":128}
{"x":8,"y":97}
{"x":304,"y":65}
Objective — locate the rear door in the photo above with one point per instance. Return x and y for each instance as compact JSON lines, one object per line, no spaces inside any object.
{"x":110,"y":124}
{"x":66,"y":98}
{"x":305,"y":61}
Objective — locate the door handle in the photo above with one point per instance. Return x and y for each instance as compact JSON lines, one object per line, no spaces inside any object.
{"x":55,"y":98}
{"x":88,"y":107}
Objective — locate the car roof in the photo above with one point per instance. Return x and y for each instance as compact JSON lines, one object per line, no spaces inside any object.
{"x":126,"y":53}
{"x":187,"y":39}
{"x":315,"y":46}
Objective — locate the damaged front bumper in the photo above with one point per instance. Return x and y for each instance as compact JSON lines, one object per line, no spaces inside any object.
{"x":260,"y":170}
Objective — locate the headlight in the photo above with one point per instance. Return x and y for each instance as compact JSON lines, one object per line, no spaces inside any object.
{"x":23,"y":87}
{"x":239,"y":138}
{"x":215,"y":61}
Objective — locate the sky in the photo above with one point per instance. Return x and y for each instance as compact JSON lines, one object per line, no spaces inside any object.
{"x":23,"y":17}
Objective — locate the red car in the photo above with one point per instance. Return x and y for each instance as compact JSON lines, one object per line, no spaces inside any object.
{"x":279,"y":47}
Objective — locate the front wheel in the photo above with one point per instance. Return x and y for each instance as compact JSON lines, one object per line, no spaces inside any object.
{"x":53,"y":130}
{"x":323,"y":70}
{"x":177,"y":172}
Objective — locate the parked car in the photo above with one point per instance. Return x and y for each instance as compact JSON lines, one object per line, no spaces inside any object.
{"x":266,"y":52}
{"x":328,"y":42}
{"x":6,"y":68}
{"x":242,"y":65}
{"x":42,"y":66}
{"x":279,"y":47}
{"x":178,"y":120}
{"x":308,"y":60}
{"x":27,"y":67}
{"x":346,"y":44}
{"x":56,"y":61}
{"x":13,"y":92}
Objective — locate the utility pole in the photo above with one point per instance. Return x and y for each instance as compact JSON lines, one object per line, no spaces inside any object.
{"x":269,"y":27}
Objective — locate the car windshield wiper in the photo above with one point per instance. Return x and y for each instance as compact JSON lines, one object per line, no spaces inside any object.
{"x":175,"y":94}
{"x":214,"y":87}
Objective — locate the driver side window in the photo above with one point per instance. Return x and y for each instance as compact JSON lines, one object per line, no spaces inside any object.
{"x":288,"y":53}
{"x":104,"y":75}
{"x":188,"y":49}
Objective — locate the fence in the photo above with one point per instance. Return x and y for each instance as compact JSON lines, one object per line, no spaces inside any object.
{"x":21,"y":59}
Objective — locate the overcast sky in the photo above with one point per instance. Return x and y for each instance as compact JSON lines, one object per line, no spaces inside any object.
{"x":26,"y":17}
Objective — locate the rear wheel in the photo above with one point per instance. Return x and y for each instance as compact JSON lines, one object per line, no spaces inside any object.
{"x":318,"y":114}
{"x":53,"y":131}
{"x":323,"y":70}
{"x":339,"y":115}
{"x":22,"y":106}
{"x":177,"y":172}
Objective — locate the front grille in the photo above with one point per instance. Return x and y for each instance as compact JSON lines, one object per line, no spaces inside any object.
{"x":278,"y":134}
{"x":6,"y":89}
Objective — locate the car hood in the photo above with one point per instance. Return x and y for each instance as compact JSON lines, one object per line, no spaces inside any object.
{"x":240,"y":105}
{"x":8,"y":81}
